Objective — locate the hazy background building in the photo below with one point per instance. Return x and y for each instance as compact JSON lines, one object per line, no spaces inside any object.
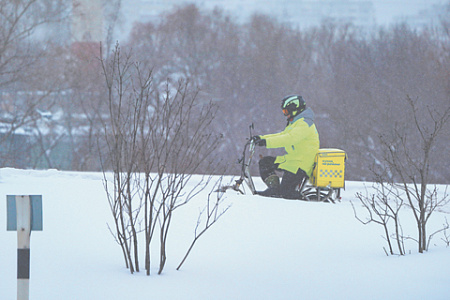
{"x":87,"y":21}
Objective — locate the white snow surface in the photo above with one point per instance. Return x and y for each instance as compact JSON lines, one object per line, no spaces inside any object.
{"x":262,"y":248}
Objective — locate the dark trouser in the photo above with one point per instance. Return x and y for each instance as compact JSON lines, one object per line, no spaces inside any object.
{"x":289,"y":181}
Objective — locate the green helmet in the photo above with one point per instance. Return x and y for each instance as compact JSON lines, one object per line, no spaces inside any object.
{"x":292,"y":105}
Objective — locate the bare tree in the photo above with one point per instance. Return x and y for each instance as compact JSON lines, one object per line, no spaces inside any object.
{"x":354,"y":80}
{"x":446,"y":237}
{"x":383,"y":206}
{"x":157,"y":140}
{"x":23,"y":48}
{"x":413,"y":168}
{"x":113,"y":18}
{"x":180,"y":144}
{"x":121,"y":131}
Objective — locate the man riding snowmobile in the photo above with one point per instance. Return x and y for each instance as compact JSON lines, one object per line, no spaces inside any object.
{"x":300,"y":140}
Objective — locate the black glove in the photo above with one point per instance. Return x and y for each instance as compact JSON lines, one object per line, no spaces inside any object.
{"x":258,"y":141}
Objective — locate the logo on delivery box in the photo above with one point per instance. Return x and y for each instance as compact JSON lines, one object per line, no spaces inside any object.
{"x":326,"y":162}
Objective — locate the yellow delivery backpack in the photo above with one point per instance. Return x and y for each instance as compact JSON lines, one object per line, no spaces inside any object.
{"x":329,"y":168}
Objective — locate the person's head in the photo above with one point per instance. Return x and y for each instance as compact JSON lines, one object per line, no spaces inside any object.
{"x":292,"y":105}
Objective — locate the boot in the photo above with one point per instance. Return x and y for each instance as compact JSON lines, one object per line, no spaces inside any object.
{"x":272,"y":181}
{"x":273,"y":184}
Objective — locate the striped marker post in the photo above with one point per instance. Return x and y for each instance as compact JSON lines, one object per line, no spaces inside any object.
{"x":23,"y":210}
{"x":24,"y":215}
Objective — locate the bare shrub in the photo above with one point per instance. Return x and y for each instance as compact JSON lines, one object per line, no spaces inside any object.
{"x":382,"y":207}
{"x":157,"y":139}
{"x":408,"y":160}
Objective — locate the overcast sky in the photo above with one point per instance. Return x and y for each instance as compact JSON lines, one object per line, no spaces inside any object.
{"x":387,"y":10}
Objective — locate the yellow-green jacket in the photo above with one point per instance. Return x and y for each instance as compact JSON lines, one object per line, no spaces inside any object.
{"x":300,"y":140}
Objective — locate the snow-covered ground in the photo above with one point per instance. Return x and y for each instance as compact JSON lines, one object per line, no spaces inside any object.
{"x":262,"y":248}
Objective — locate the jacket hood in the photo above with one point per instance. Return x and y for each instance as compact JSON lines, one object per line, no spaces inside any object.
{"x":307,"y":115}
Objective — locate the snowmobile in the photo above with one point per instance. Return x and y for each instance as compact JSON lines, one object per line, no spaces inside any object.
{"x":323,"y":186}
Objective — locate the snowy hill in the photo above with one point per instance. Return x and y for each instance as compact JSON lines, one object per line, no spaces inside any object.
{"x":262,"y":248}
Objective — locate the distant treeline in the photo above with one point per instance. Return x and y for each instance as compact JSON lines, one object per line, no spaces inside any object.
{"x":357,"y":83}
